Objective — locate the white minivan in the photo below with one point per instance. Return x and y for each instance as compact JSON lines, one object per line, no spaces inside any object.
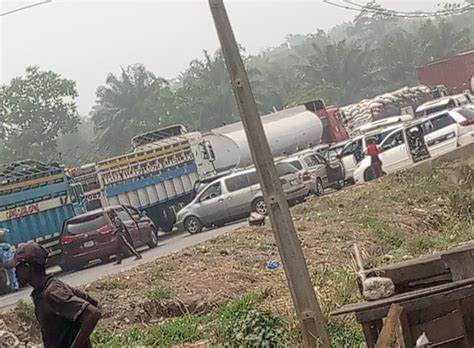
{"x":441,"y":133}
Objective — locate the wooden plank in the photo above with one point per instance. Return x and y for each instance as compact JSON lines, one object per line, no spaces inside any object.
{"x":456,"y":342}
{"x":418,"y":294}
{"x":418,"y":304}
{"x":389,"y":329}
{"x":441,"y":310}
{"x":371,"y":332}
{"x":467,"y":310}
{"x":460,"y":264}
{"x":405,"y":338}
{"x":441,"y":329}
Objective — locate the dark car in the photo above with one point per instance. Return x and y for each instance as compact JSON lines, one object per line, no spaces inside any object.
{"x":90,"y":236}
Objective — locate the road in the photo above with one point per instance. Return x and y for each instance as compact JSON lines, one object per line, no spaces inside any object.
{"x":167,"y":245}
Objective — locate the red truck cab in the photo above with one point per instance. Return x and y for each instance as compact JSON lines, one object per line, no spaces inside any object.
{"x":333,"y":129}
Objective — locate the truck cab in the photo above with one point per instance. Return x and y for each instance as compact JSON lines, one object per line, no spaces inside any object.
{"x":331,"y":116}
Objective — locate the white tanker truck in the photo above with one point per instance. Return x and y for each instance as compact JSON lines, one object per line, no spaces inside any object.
{"x":287,"y":131}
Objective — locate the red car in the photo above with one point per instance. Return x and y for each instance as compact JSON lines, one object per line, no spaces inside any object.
{"x":90,"y":236}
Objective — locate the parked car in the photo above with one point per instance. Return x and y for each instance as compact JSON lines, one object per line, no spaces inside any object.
{"x":441,"y":133}
{"x":234,"y":196}
{"x":444,"y":104}
{"x":354,"y":151}
{"x":316,"y":172}
{"x":90,"y":236}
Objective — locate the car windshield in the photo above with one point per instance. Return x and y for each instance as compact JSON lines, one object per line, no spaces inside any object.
{"x":285,"y":169}
{"x":86,"y":224}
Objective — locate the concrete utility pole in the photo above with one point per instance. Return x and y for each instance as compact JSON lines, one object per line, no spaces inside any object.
{"x":312,"y":321}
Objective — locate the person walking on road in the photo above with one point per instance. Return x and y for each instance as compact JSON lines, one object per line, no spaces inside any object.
{"x":373,"y":150}
{"x":66,"y":315}
{"x":124,"y":239}
{"x":6,"y":256}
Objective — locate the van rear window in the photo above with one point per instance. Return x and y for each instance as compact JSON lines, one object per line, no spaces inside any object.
{"x":467,"y":113}
{"x":86,"y":224}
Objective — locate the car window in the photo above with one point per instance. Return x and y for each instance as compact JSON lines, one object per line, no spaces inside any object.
{"x":86,"y":224}
{"x":215,"y":190}
{"x":237,"y":182}
{"x":285,"y":169}
{"x":123,"y":214}
{"x":296,"y":164}
{"x":252,"y":177}
{"x":133,"y":211}
{"x":394,"y":140}
{"x":311,"y":161}
{"x":351,"y":148}
{"x":437,"y":123}
{"x":467,"y":113}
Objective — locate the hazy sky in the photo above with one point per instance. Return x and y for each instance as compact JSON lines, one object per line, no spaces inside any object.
{"x":85,"y":40}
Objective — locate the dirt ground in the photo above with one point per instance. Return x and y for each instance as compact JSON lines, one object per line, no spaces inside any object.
{"x":398,"y":217}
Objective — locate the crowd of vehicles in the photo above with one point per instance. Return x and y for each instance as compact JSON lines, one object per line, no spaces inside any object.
{"x":172,"y":178}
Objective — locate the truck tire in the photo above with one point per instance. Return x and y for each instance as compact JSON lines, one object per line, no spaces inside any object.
{"x":153,"y":243}
{"x":259,"y":206}
{"x":192,"y":225}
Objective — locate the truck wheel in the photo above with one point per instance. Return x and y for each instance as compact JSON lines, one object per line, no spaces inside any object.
{"x":259,"y":206}
{"x":192,"y":225}
{"x":319,"y":187}
{"x":153,"y":243}
{"x":69,"y":267}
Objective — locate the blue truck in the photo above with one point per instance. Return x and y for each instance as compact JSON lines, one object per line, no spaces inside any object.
{"x":35,"y":200}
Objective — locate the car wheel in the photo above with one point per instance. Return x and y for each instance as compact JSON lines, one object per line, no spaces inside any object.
{"x":192,"y":225}
{"x":153,"y":243}
{"x":259,"y":206}
{"x":319,"y":187}
{"x":69,"y":267}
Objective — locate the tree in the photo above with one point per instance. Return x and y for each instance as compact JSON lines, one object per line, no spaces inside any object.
{"x":133,"y":102}
{"x":34,"y":111}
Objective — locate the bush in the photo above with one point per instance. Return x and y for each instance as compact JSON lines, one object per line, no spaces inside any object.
{"x":243,"y":323}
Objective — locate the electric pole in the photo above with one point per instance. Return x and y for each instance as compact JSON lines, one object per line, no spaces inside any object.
{"x":312,"y":321}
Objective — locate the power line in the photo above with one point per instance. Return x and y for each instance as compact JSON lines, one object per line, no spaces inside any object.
{"x":368,"y":8}
{"x":25,"y":8}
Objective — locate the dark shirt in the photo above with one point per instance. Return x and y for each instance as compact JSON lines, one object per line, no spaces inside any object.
{"x":120,"y":228}
{"x":58,"y":308}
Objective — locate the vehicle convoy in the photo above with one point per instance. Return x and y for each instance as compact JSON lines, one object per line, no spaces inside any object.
{"x":316,"y":172}
{"x":35,"y":199}
{"x":288,"y":131}
{"x":157,"y":177}
{"x":428,"y":137}
{"x":456,"y":73}
{"x":91,"y":236}
{"x":444,"y":103}
{"x":234,"y":196}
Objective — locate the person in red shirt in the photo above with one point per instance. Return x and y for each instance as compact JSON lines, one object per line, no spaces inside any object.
{"x":373,"y":150}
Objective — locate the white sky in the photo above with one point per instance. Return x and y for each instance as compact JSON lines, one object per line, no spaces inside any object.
{"x":85,"y":40}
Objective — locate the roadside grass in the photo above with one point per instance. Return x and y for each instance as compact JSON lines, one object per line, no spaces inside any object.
{"x":159,"y":293}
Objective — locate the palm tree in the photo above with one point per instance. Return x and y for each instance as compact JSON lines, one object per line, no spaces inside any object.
{"x":133,"y":102}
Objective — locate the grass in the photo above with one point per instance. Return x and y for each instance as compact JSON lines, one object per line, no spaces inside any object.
{"x":181,"y":330}
{"x":159,"y":293}
{"x":110,"y":284}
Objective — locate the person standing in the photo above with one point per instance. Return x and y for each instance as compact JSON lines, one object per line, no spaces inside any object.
{"x":6,"y":256}
{"x":373,"y":151}
{"x":124,"y":239}
{"x":66,"y":315}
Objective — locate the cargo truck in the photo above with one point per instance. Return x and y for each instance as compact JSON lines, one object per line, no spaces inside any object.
{"x":35,"y":199}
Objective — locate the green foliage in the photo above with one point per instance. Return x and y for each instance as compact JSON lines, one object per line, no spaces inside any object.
{"x":344,"y":334}
{"x":34,"y":110}
{"x":186,"y":329}
{"x":130,"y":103}
{"x":243,"y":322}
{"x":26,"y":311}
{"x":159,"y":293}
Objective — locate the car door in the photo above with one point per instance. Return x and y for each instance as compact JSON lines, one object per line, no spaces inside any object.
{"x":350,"y":156}
{"x":144,"y":225}
{"x":132,"y":226}
{"x":211,"y":206}
{"x":317,"y":168}
{"x":239,"y":195}
{"x":441,"y":134}
{"x":395,"y":153}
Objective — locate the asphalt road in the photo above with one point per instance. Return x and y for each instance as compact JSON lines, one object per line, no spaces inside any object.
{"x":167,"y":245}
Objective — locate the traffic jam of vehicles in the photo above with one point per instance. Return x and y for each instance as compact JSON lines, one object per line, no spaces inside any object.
{"x":175,"y":180}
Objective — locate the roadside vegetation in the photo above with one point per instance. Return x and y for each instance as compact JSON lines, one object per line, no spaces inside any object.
{"x":221,"y":293}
